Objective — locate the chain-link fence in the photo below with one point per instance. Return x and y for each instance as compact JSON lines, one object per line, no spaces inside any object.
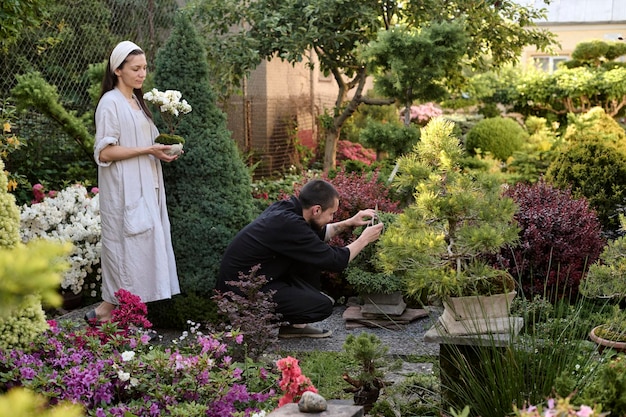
{"x":272,"y":132}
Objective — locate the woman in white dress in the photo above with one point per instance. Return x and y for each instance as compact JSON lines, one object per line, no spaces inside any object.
{"x":137,"y":253}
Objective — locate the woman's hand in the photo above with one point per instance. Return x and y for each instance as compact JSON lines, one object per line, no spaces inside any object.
{"x":159,"y":151}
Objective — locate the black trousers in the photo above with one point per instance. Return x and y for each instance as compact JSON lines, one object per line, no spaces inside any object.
{"x":299,"y":301}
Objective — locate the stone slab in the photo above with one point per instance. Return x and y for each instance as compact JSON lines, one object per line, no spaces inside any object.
{"x":334,"y":410}
{"x":377,"y":310}
{"x":354,"y":318}
{"x":438,"y":334}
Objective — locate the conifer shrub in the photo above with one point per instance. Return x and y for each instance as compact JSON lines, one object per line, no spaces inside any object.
{"x":19,"y":327}
{"x":208,"y":187}
{"x":560,"y":236}
{"x":592,"y":164}
{"x":498,"y":136}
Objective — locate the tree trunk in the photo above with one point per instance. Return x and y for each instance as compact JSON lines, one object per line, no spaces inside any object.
{"x":330,"y":149}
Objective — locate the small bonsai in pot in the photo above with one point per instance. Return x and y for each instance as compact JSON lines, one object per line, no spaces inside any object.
{"x":364,"y":273}
{"x":606,"y":278}
{"x":369,"y":352}
{"x":382,"y":292}
{"x":440,"y":243}
{"x":171,"y":107}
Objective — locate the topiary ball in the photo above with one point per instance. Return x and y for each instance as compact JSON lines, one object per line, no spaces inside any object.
{"x":498,"y":136}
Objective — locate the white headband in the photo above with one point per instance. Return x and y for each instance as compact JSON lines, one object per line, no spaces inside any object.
{"x":120,"y":52}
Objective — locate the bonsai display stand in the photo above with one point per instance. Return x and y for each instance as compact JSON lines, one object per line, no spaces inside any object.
{"x":336,"y":408}
{"x":355,"y":318}
{"x":470,"y":349}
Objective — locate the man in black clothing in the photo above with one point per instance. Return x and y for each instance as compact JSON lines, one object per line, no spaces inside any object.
{"x":288,"y":241}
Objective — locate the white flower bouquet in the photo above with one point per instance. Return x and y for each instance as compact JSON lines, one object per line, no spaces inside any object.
{"x":72,"y":215}
{"x":171,"y":107}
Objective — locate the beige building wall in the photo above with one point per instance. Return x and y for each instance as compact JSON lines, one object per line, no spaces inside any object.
{"x":569,"y":35}
{"x":277,"y":114}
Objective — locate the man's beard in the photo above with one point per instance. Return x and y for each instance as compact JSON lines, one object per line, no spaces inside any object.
{"x":317,"y":226}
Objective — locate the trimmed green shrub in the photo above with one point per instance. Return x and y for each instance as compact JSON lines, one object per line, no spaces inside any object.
{"x":392,"y":138}
{"x":594,"y":165}
{"x":497,"y":135}
{"x":208,"y":187}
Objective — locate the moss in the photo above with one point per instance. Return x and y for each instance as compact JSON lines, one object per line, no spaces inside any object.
{"x":167,"y":139}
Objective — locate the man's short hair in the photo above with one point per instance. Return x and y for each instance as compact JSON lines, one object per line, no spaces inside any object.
{"x":318,"y":192}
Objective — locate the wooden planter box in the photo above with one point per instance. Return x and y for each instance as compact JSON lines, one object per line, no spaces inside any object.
{"x":477,"y":314}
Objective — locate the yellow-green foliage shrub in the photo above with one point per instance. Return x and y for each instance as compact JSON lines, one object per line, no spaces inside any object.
{"x":23,"y":324}
{"x":20,"y":402}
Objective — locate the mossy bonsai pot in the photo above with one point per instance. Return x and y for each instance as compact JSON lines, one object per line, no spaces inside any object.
{"x":174,"y":140}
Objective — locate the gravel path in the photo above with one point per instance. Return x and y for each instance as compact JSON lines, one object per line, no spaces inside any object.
{"x":405,"y":340}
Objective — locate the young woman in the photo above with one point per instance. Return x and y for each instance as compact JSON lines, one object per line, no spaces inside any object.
{"x":137,"y":252}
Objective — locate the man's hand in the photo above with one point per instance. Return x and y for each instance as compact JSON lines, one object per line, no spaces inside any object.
{"x":372,"y":233}
{"x":362,"y":218}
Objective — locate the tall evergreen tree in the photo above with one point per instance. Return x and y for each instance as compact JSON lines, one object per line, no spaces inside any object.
{"x":208,"y":187}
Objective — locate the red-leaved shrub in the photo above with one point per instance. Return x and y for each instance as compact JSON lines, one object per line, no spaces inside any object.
{"x":560,"y":236}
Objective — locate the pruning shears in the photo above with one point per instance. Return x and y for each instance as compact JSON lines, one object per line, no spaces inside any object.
{"x":375,"y":219}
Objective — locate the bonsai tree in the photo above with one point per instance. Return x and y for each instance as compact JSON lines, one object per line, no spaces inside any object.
{"x":366,"y":275}
{"x":366,"y":349}
{"x":439,"y":243}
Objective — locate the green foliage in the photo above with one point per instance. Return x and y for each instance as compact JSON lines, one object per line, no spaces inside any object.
{"x":596,"y":53}
{"x":35,"y":268}
{"x":33,"y":91}
{"x":574,"y":90}
{"x":369,"y":352}
{"x":340,"y":30}
{"x":595,"y":125}
{"x":594,"y":166}
{"x":605,"y":278}
{"x":394,"y":139}
{"x":555,"y":359}
{"x":364,"y":275}
{"x":17,"y":16}
{"x":9,"y":214}
{"x":413,"y":64}
{"x":499,"y":136}
{"x":609,"y":386}
{"x":23,"y":325}
{"x":538,"y":152}
{"x":208,"y":188}
{"x":436,"y":244}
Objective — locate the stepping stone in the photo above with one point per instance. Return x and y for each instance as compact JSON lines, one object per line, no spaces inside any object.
{"x":355,"y":319}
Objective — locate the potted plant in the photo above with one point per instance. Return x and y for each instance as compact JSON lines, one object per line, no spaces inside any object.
{"x":440,"y":243}
{"x":381,"y":292}
{"x":611,"y":334}
{"x":369,"y":352}
{"x":606,"y":278}
{"x":170,"y":106}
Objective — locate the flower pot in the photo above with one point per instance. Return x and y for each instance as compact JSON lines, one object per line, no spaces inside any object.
{"x":478,"y":314}
{"x":605,"y":343}
{"x":176,"y":149}
{"x":72,"y":301}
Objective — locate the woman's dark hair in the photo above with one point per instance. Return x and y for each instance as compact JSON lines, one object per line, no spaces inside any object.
{"x":109,"y":82}
{"x":318,"y":192}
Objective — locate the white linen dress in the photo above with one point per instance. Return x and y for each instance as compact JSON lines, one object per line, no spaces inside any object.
{"x":137,"y":253}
